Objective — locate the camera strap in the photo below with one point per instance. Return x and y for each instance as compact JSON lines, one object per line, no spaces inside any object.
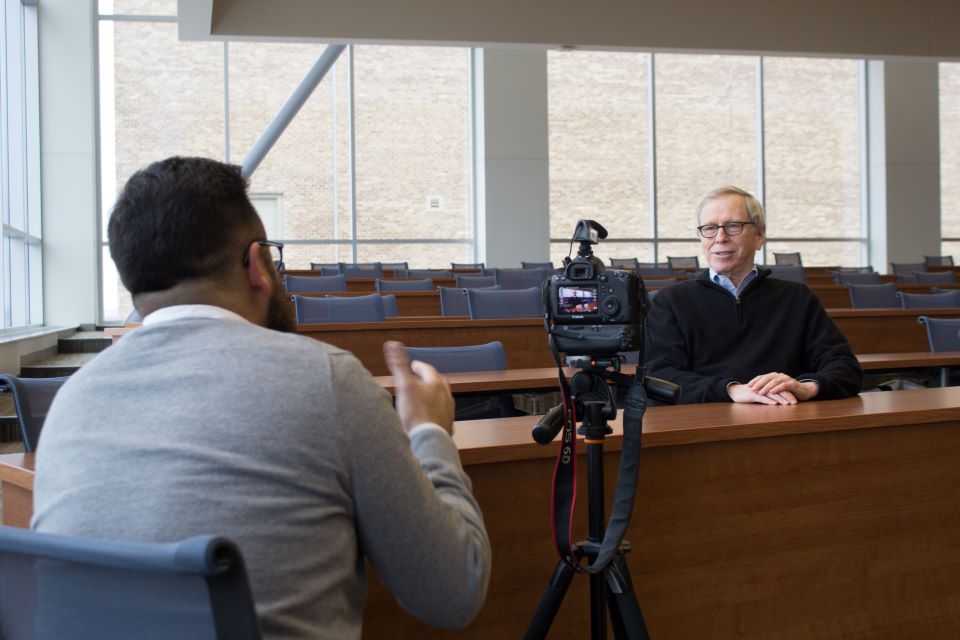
{"x":564,"y":492}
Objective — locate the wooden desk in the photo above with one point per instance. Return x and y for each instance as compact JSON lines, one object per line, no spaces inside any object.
{"x":16,"y":477}
{"x":886,"y":330}
{"x":823,"y":519}
{"x":545,"y":378}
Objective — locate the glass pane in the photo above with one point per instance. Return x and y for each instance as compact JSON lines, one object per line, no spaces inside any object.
{"x":117,"y":303}
{"x":138,"y":7}
{"x":683,"y":250}
{"x":706,"y":134}
{"x":300,"y":255}
{"x":293,"y":188}
{"x":16,"y":311}
{"x":419,"y":256}
{"x":821,"y":254}
{"x":412,"y":143}
{"x":158,"y":97}
{"x":598,"y":128}
{"x":950,"y":154}
{"x":812,"y":147}
{"x":951,"y":249}
{"x":35,"y":282}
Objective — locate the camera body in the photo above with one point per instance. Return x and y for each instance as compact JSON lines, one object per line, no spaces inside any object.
{"x":593,"y":310}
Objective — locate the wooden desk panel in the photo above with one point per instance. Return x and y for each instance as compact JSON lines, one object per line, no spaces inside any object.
{"x":886,"y":330}
{"x":837,"y":296}
{"x":16,"y":477}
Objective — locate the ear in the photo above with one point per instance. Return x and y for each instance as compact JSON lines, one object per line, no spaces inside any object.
{"x":257,"y":276}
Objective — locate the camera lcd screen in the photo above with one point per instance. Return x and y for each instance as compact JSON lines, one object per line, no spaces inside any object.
{"x":577,"y":300}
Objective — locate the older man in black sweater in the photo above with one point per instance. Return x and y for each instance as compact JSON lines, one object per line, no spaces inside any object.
{"x":736,"y":334}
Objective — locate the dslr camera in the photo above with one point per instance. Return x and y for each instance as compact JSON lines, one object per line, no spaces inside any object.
{"x":592,"y":310}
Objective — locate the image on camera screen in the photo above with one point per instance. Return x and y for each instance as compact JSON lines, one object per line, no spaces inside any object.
{"x":573,"y":300}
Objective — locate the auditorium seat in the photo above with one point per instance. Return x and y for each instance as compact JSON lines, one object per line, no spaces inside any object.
{"x":624,"y":263}
{"x":793,"y":273}
{"x":946,"y":300}
{"x":684,"y":263}
{"x":473,"y":282}
{"x":315,"y":284}
{"x":519,"y":303}
{"x":479,"y":266}
{"x":339,"y":309}
{"x":788,"y":259}
{"x":874,"y":296}
{"x":426,"y":284}
{"x":67,"y":586}
{"x":935,"y":277}
{"x":32,"y":398}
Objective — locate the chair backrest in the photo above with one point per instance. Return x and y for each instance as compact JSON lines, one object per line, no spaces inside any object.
{"x":793,"y":273}
{"x":422,"y":273}
{"x":852,"y":270}
{"x":871,"y":277}
{"x":536,"y":265}
{"x":521,"y":278}
{"x":326,"y":266}
{"x":935,"y":277}
{"x":453,"y":301}
{"x":943,"y":334}
{"x":472,"y":282}
{"x":339,"y":309}
{"x":59,"y":586}
{"x":315,"y":284}
{"x":788,"y":259}
{"x":478,"y":357}
{"x":938,"y":261}
{"x":643,"y":272}
{"x":390,"y":309}
{"x":518,"y":303}
{"x":394,"y":265}
{"x":426,"y":284}
{"x":906,"y":268}
{"x":683,"y":263}
{"x":946,"y":300}
{"x":362,"y":270}
{"x":32,"y":398}
{"x":469,"y":265}
{"x":873,"y":296}
{"x":904,"y":278}
{"x":624,"y":263}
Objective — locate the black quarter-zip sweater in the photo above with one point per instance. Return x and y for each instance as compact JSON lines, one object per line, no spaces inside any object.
{"x":703,"y":338}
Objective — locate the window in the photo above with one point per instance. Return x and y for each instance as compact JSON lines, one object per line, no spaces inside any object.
{"x":786,"y":129}
{"x":376,"y":166}
{"x":950,"y":159}
{"x":20,"y":250}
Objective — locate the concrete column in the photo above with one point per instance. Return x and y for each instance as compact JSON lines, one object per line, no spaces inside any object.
{"x":513,"y":203}
{"x":68,"y":161}
{"x":904,"y":160}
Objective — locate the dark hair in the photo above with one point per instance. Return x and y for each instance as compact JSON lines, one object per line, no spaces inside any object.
{"x":180,"y":218}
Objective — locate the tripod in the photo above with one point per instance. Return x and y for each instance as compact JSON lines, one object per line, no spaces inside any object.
{"x":611,"y":586}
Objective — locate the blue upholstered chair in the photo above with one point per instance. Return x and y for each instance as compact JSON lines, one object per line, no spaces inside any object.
{"x":422,"y":273}
{"x":315,"y":284}
{"x":521,"y":278}
{"x":32,"y":398}
{"x":339,"y":309}
{"x":788,"y":259}
{"x":479,"y":266}
{"x":857,"y":277}
{"x":328,"y":267}
{"x":935,"y":277}
{"x":536,"y":265}
{"x":519,"y":303}
{"x":362,"y":270}
{"x":874,"y":296}
{"x":624,"y":263}
{"x":426,"y":284}
{"x":937,"y":261}
{"x":683,"y":263}
{"x":794,"y":273}
{"x":394,"y":265}
{"x":906,"y":268}
{"x":71,"y":588}
{"x":946,"y":300}
{"x":943,"y":334}
{"x":480,"y":357}
{"x":453,"y":301}
{"x":390,"y":308}
{"x":473,"y":282}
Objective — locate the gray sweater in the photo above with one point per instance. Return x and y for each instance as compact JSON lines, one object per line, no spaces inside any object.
{"x":282,"y":443}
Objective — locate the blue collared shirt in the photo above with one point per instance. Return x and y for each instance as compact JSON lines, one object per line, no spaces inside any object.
{"x":727,"y":283}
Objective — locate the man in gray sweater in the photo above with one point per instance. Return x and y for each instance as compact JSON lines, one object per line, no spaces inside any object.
{"x":207,"y":420}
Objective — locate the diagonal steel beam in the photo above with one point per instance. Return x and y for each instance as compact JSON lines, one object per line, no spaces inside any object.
{"x":289,"y":110}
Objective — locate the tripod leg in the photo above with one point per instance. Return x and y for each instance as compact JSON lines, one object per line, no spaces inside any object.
{"x":550,"y":602}
{"x":624,"y":609}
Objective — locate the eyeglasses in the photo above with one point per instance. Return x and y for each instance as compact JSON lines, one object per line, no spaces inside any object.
{"x":276,"y":253}
{"x":729,"y":228}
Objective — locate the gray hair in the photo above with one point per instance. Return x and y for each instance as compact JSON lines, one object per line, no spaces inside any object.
{"x":754,"y":207}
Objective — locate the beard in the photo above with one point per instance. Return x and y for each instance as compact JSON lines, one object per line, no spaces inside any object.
{"x":280,"y":312}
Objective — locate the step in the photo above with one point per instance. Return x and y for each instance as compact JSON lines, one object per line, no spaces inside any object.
{"x":61,"y":364}
{"x":84,"y":342}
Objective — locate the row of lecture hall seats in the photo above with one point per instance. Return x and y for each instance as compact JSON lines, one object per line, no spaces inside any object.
{"x":402,"y":269}
{"x":503,"y":278}
{"x":886,"y":296}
